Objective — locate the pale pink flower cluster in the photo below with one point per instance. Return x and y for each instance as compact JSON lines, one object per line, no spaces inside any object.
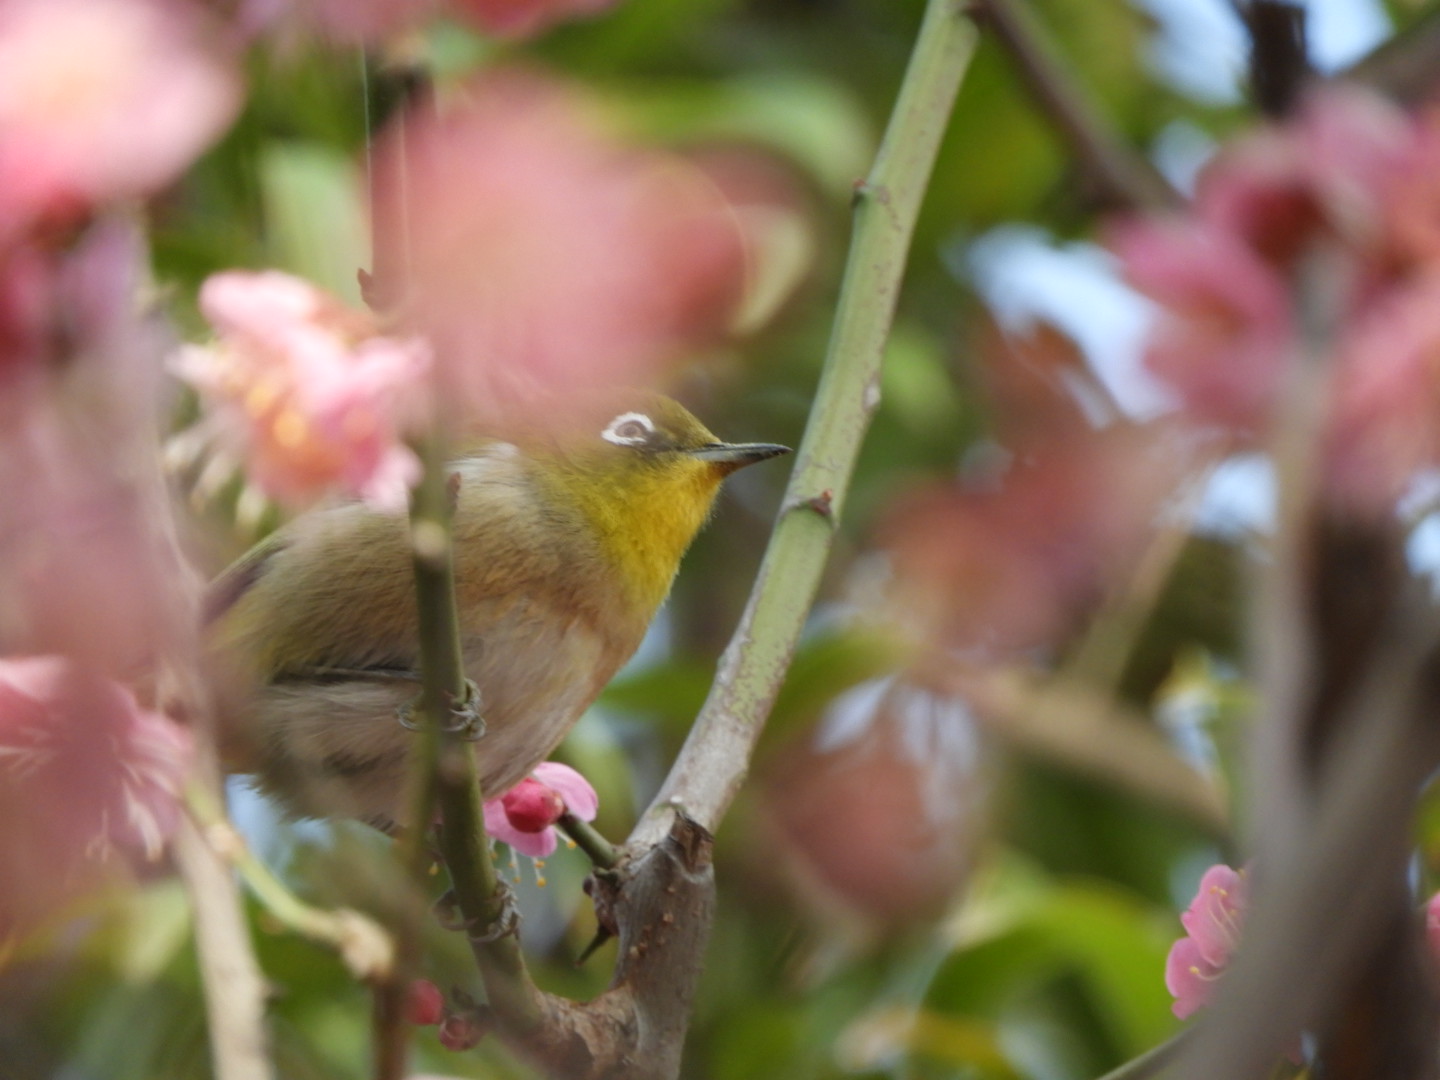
{"x":306,"y":391}
{"x":549,"y":258}
{"x":1328,"y":220}
{"x":525,"y":816}
{"x":101,"y":101}
{"x":85,"y":775}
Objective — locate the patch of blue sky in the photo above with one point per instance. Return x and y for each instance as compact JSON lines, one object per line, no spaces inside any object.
{"x":1025,"y":276}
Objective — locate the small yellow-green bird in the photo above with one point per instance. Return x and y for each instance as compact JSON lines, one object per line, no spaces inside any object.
{"x":564,"y":550}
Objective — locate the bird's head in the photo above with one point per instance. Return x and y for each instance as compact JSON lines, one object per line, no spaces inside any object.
{"x":644,"y":472}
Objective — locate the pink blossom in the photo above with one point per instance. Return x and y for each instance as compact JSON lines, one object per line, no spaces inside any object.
{"x":1325,"y":173}
{"x":879,"y":809}
{"x":1007,"y":565}
{"x":525,"y":816}
{"x":306,"y":391}
{"x":1212,"y":923}
{"x":369,"y":21}
{"x":86,"y":566}
{"x":85,"y":775}
{"x":549,"y":259}
{"x":525,"y":18}
{"x":1385,"y":412}
{"x":1224,"y":326}
{"x":102,"y":100}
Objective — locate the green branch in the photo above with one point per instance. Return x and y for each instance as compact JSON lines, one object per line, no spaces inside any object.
{"x":445,"y":761}
{"x":715,"y":758}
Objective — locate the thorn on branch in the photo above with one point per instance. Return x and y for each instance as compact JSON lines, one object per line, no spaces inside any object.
{"x":822,"y":504}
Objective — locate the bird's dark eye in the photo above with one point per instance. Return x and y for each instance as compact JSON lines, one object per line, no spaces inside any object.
{"x":629,"y":429}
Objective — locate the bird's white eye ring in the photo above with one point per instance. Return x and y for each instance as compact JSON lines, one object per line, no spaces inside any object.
{"x":629,"y":429}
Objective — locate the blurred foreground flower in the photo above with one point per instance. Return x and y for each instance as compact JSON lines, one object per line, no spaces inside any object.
{"x":525,"y":816}
{"x":353,"y":21}
{"x":1327,"y":221}
{"x":548,"y":259}
{"x":101,"y":100}
{"x":1212,"y":924}
{"x":305,"y":390}
{"x":87,"y":565}
{"x":524,"y":18}
{"x":878,"y":810}
{"x":85,"y":775}
{"x":1012,"y":558}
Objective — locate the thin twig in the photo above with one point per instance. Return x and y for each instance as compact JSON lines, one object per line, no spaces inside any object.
{"x":602,"y":853}
{"x":1123,"y":178}
{"x":362,"y":943}
{"x":716,"y":756}
{"x":234,"y":987}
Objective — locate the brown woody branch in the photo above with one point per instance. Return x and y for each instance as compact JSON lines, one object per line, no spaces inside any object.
{"x":1121,"y":178}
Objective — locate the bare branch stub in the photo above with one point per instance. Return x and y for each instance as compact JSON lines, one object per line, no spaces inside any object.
{"x":661,"y":903}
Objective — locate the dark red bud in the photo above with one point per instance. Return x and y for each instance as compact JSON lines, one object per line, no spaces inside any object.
{"x":532,"y":807}
{"x":426,"y":1006}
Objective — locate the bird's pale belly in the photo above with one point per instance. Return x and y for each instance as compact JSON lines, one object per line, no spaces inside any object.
{"x":335,"y":745}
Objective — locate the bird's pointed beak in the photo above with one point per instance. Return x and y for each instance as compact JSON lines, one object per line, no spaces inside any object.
{"x":732,"y":456}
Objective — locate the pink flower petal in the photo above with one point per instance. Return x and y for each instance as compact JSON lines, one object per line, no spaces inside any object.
{"x":580,"y":797}
{"x":497,"y":824}
{"x":85,"y":775}
{"x":1189,"y":977}
{"x":1215,"y":916}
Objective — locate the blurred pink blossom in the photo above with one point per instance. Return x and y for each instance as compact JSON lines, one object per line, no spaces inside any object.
{"x":1334,"y":213}
{"x":879,"y":808}
{"x":525,"y":816}
{"x":1224,"y":326}
{"x":85,"y":775}
{"x":1212,"y":923}
{"x":306,"y":391}
{"x":549,"y":259}
{"x":87,"y":566}
{"x":525,"y":18}
{"x":1009,"y":562}
{"x":369,"y":21}
{"x":1385,"y":411}
{"x":102,"y":100}
{"x":1323,"y":175}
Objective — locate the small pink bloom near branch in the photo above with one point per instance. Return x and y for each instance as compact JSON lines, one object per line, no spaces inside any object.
{"x":1212,"y":925}
{"x":525,"y":816}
